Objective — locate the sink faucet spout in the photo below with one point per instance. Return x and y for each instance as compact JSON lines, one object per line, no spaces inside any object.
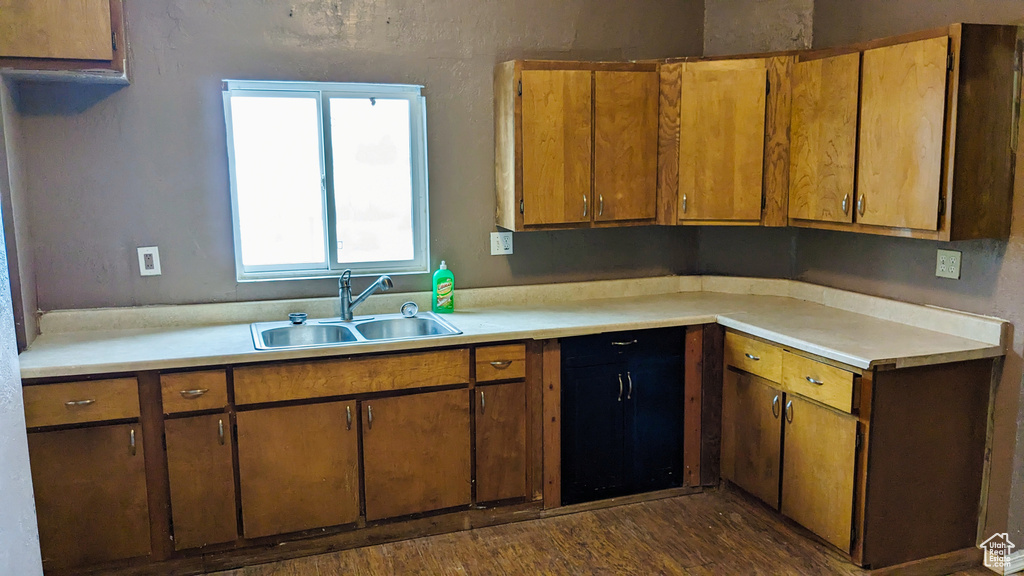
{"x":348,"y":304}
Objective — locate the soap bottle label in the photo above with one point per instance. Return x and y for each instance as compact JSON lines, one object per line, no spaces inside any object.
{"x":444,"y":295}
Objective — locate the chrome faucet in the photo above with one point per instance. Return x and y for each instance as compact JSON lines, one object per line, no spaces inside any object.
{"x":345,"y":293}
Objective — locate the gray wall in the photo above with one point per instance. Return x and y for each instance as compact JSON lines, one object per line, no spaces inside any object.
{"x":992,"y":272}
{"x":113,"y":169}
{"x":753,"y":26}
{"x":19,"y":540}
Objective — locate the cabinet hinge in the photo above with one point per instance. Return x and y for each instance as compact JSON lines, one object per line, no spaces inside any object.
{"x":520,"y":87}
{"x":113,"y":41}
{"x":857,"y":442}
{"x":764,"y":202}
{"x":942,"y":205}
{"x":767,"y":86}
{"x":522,"y":207}
{"x":949,"y":61}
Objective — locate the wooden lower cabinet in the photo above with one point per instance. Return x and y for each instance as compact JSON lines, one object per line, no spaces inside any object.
{"x":202,"y":480}
{"x":416,"y":453}
{"x":818,"y":469}
{"x":752,"y":435}
{"x":500,"y":442}
{"x":90,"y":492}
{"x":298,"y":467}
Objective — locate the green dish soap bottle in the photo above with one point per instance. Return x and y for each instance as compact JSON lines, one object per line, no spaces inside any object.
{"x":444,"y":290}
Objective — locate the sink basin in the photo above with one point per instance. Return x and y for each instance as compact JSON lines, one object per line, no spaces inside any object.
{"x":404,"y":328}
{"x":305,"y":335}
{"x":334,"y":332}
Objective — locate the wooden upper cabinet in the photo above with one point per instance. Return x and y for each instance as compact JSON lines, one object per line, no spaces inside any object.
{"x":752,"y":435}
{"x":903,"y":105}
{"x":823,"y":144}
{"x":556,"y":146}
{"x":625,"y":145}
{"x":202,"y":480}
{"x":83,"y":36}
{"x":721,"y":140}
{"x":818,"y":469}
{"x":416,"y":453}
{"x":90,"y":492}
{"x":298,"y":467}
{"x":500,"y":441}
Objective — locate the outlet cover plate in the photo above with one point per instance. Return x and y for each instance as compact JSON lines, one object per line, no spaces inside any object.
{"x":947,"y":264}
{"x":501,"y":243}
{"x":149,"y":261}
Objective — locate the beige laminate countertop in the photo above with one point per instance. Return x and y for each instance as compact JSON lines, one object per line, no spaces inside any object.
{"x":856,"y":339}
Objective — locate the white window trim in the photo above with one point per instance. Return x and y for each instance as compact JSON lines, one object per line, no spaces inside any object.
{"x":420,"y":263}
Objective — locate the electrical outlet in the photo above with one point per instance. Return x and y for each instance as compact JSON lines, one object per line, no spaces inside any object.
{"x":501,"y":243}
{"x":947,"y":264}
{"x":149,"y":261}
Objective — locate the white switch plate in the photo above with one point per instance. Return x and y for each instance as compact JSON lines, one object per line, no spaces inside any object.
{"x":947,"y":264}
{"x":149,"y":261}
{"x":501,"y":243}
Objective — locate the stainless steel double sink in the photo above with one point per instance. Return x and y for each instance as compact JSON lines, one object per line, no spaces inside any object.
{"x":334,"y":332}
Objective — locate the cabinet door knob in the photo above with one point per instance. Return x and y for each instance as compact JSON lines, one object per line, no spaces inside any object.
{"x":348,"y":417}
{"x":775,"y":406}
{"x":189,"y":394}
{"x":813,"y":381}
{"x":629,"y":379}
{"x":220,"y":431}
{"x":620,"y":387}
{"x":584,"y":205}
{"x":789,"y":411}
{"x":501,"y":364}
{"x":600,"y":204}
{"x":483,"y":402}
{"x":846,"y":204}
{"x":369,"y":416}
{"x":752,"y":357}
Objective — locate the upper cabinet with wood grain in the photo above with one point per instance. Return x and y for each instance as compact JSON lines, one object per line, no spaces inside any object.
{"x":934,"y":153}
{"x":64,"y":39}
{"x":576,"y":144}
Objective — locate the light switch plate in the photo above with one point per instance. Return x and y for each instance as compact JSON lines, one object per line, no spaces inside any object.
{"x":501,"y":243}
{"x":149,"y":261}
{"x":947,"y":264}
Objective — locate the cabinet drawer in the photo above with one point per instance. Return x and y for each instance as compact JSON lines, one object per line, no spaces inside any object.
{"x":507,"y":362}
{"x":817,"y":381}
{"x":77,"y":402}
{"x":190,"y":391}
{"x":281,"y":382}
{"x":754,"y":356}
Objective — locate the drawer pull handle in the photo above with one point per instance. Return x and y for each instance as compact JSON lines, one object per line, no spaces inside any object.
{"x":600,"y":204}
{"x":846,"y":204}
{"x":624,"y":343}
{"x":813,"y":381}
{"x":501,"y":364}
{"x":348,"y":417}
{"x":483,"y":403}
{"x":752,"y":357}
{"x":74,"y":403}
{"x":584,"y":205}
{"x":190,"y":394}
{"x":620,"y":388}
{"x":775,"y":406}
{"x":789,"y":411}
{"x":220,"y":431}
{"x":369,"y":416}
{"x":132,"y":441}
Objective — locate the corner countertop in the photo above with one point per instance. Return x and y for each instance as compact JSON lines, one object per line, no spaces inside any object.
{"x":854,"y":329}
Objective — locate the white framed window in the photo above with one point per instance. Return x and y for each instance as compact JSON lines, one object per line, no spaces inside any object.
{"x":327,"y":176}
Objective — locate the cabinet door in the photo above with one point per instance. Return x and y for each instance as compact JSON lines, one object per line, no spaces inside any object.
{"x":625,"y":145}
{"x":90,"y":491}
{"x":721,"y":140}
{"x":823,"y":148}
{"x":202,"y":480}
{"x":298,"y":468}
{"x":903,"y":103}
{"x":500,"y":441}
{"x":751,"y":435}
{"x":594,"y":451}
{"x":556,"y":146}
{"x":817,"y":475}
{"x":416,"y":453}
{"x":654,"y":401}
{"x":75,"y":29}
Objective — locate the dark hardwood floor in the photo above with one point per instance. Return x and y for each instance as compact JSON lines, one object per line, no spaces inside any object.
{"x":720,"y":532}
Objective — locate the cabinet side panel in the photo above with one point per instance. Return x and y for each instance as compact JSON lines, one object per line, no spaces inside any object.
{"x":983,"y":165}
{"x":925,"y":461}
{"x":711,"y":404}
{"x":505,"y":92}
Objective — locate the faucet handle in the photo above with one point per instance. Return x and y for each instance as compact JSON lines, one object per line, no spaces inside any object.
{"x":346,"y":279}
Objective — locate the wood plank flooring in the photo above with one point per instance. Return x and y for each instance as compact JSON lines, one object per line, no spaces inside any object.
{"x":720,"y":532}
